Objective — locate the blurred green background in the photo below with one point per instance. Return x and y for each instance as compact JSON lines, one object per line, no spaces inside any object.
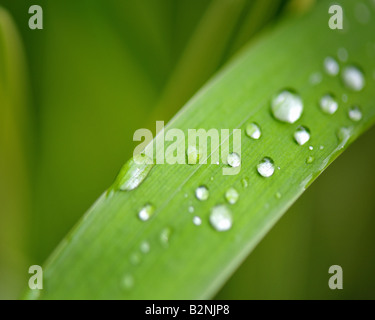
{"x":73,"y":94}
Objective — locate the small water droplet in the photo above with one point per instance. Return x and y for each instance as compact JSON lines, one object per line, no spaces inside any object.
{"x":191,"y":209}
{"x":311,"y":148}
{"x":128,"y":282}
{"x":245,"y":182}
{"x":331,"y":66}
{"x":253,"y":131}
{"x":266,"y":167}
{"x":232,"y":195}
{"x":234,"y":160}
{"x":287,"y":106}
{"x":146,"y":212}
{"x":135,"y":259}
{"x":212,"y":178}
{"x":342,"y":53}
{"x":344,"y":97}
{"x":315,"y":78}
{"x":302,"y":135}
{"x":343,"y":135}
{"x":202,"y":193}
{"x":355,"y":113}
{"x":165,"y":236}
{"x":328,"y":104}
{"x":353,"y":78}
{"x":186,"y":195}
{"x":310,"y":159}
{"x":145,"y":247}
{"x":362,"y":13}
{"x":197,"y":221}
{"x":221,"y":218}
{"x":278,"y":195}
{"x":133,"y":173}
{"x":192,"y":154}
{"x":321,"y":147}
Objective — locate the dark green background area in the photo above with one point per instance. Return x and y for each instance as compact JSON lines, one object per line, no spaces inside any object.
{"x":99,"y":71}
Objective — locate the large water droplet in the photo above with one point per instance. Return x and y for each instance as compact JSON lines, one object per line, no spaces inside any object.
{"x":328,"y":104}
{"x":133,"y":173}
{"x":232,"y":195}
{"x":253,"y":131}
{"x":302,"y":135}
{"x":202,"y":193}
{"x":146,"y":212}
{"x":266,"y":167}
{"x":192,"y":155}
{"x":331,"y":66}
{"x":234,"y":160}
{"x":355,"y":113}
{"x":221,"y":218}
{"x":197,"y":221}
{"x":287,"y":106}
{"x":353,"y":78}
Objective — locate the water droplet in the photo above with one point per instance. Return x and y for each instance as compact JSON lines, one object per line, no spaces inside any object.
{"x":245,"y":182}
{"x":197,"y":221}
{"x":221,"y":218}
{"x":342,"y":53}
{"x":310,"y":160}
{"x":232,"y":195}
{"x":278,"y":195}
{"x":353,"y":78}
{"x":343,"y":135}
{"x":302,"y":135}
{"x":191,"y":209}
{"x":331,"y":66}
{"x":146,"y":212}
{"x":253,"y":131}
{"x":145,"y":247}
{"x":287,"y":106}
{"x":311,"y":148}
{"x":192,"y":155}
{"x":165,"y":236}
{"x":315,"y":78}
{"x":202,"y":193}
{"x":355,"y":113}
{"x":328,"y":104}
{"x":321,"y":147}
{"x":133,"y":173}
{"x":344,"y":97}
{"x":362,"y":13}
{"x":266,"y":167}
{"x":128,"y":282}
{"x":234,"y":160}
{"x":135,"y":259}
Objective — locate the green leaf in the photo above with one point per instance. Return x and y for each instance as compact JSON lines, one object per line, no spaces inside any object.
{"x":105,"y":255}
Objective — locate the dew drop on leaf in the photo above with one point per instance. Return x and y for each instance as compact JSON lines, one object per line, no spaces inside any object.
{"x":353,"y":78}
{"x":202,"y":193}
{"x":232,"y":195}
{"x":355,"y":113}
{"x":146,"y":212}
{"x":234,"y":160}
{"x":328,"y":104}
{"x":266,"y":167}
{"x":331,"y":66}
{"x":302,"y":135}
{"x":197,"y":221}
{"x":287,"y":106}
{"x":221,"y":218}
{"x":253,"y":131}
